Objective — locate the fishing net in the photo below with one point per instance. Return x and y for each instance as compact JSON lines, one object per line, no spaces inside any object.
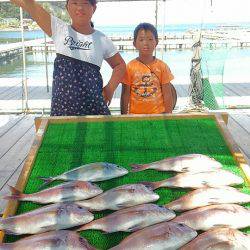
{"x":212,"y":66}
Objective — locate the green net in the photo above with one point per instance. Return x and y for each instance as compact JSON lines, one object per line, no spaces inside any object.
{"x":212,"y":64}
{"x":70,"y":145}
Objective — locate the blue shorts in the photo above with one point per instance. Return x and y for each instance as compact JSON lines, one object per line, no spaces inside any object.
{"x":77,"y":88}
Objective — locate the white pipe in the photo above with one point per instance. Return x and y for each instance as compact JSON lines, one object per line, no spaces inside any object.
{"x":46,"y":63}
{"x":163,"y":28}
{"x":24,"y":80}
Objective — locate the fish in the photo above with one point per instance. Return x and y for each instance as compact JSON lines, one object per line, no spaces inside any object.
{"x":219,"y":239}
{"x":69,"y":191}
{"x":180,"y":164}
{"x":223,"y":215}
{"x":165,"y":235}
{"x":93,"y":172}
{"x":208,"y":196}
{"x":60,"y":240}
{"x":51,"y":217}
{"x":131,"y":219}
{"x":198,"y":180}
{"x":120,"y":197}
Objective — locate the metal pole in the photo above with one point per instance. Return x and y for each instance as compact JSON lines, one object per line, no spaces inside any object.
{"x":163,"y":28}
{"x":156,"y":13}
{"x":24,"y":80}
{"x":156,"y":18}
{"x":46,"y":62}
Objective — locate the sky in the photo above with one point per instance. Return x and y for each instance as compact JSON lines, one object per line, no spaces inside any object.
{"x":176,"y":12}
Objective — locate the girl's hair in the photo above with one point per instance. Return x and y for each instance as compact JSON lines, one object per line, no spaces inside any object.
{"x":92,"y":2}
{"x":145,"y":26}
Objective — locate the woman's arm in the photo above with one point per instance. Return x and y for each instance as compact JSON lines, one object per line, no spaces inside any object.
{"x":118,"y":65}
{"x":167,"y":97}
{"x":125,"y":99}
{"x":37,"y":12}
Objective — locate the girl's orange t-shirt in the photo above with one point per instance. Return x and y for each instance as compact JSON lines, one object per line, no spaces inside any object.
{"x":145,"y":86}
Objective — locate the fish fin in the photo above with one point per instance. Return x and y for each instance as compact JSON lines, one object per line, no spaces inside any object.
{"x":84,"y":227}
{"x":9,"y":231}
{"x":137,"y":167}
{"x":123,"y":205}
{"x":15,"y":194}
{"x":151,"y":185}
{"x":205,"y":183}
{"x":221,"y":225}
{"x":213,"y":201}
{"x":185,"y":169}
{"x":134,"y":228}
{"x":46,"y":180}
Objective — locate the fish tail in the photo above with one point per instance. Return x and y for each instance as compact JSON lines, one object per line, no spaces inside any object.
{"x":138,"y":167}
{"x":6,"y":246}
{"x":15,"y":194}
{"x":46,"y":180}
{"x":152,"y":185}
{"x":84,"y":227}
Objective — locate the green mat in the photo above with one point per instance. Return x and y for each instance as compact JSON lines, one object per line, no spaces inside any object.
{"x":70,"y":145}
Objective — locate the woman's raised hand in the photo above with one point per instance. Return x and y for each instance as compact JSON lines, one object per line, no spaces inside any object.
{"x":37,"y":12}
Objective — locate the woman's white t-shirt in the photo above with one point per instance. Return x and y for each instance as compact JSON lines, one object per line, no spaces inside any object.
{"x":91,"y":48}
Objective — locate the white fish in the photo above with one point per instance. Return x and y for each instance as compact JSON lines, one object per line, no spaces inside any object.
{"x":225,"y":215}
{"x":121,"y":197}
{"x":208,"y":196}
{"x":220,"y":239}
{"x":182,"y":163}
{"x":69,"y":191}
{"x":55,"y":240}
{"x":198,"y":180}
{"x":52,"y":217}
{"x":131,"y":219}
{"x":166,"y":235}
{"x":98,"y":171}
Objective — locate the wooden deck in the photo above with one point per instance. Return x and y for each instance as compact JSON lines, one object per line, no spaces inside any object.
{"x":17,"y":133}
{"x":235,"y":94}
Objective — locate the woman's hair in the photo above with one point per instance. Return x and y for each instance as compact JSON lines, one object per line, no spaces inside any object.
{"x":145,"y":26}
{"x":92,"y":2}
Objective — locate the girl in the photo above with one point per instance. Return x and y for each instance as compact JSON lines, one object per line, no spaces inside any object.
{"x":146,"y":86}
{"x":77,"y":83}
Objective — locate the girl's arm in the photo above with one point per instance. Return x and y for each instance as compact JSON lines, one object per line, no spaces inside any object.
{"x":118,"y":65}
{"x":37,"y":12}
{"x":167,"y":97}
{"x":125,"y":98}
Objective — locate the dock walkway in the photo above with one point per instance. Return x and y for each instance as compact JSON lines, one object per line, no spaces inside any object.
{"x":11,"y":96}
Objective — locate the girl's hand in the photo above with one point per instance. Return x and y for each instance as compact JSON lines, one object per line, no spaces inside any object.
{"x":37,"y":12}
{"x":21,"y":3}
{"x":108,"y":93}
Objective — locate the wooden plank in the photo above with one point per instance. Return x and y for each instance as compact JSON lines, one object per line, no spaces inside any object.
{"x":12,"y":182}
{"x":15,"y":156}
{"x":7,"y":122}
{"x":243,"y":121}
{"x":14,"y":94}
{"x":24,"y":175}
{"x":102,"y":118}
{"x":10,"y":138}
{"x":235,"y":90}
{"x":180,"y":91}
{"x":234,"y":148}
{"x":240,"y":135}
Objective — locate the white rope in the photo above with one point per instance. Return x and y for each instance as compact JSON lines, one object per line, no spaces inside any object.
{"x":24,"y":76}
